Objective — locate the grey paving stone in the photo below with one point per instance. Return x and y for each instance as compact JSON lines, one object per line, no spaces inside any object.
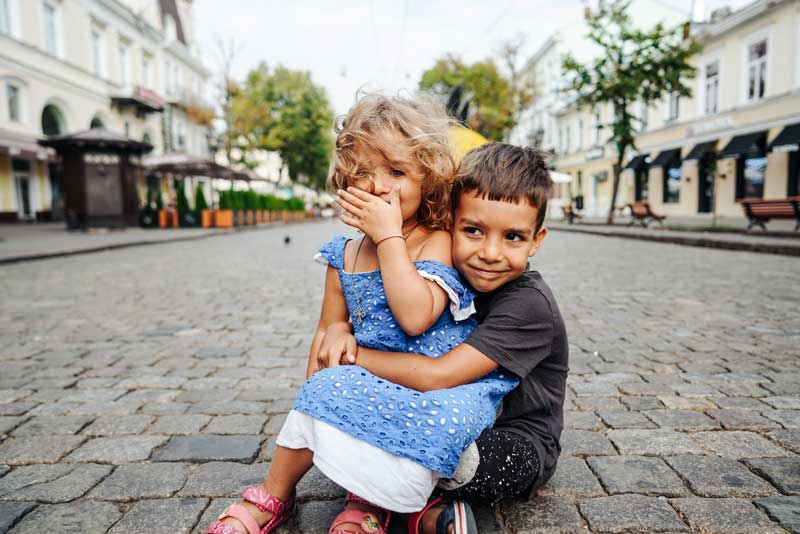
{"x":84,"y":516}
{"x":657,"y":442}
{"x":785,"y":402}
{"x":8,"y":423}
{"x":119,"y":407}
{"x":783,"y":473}
{"x":572,"y":478}
{"x":686,"y":420}
{"x":784,"y":510}
{"x":789,"y":439}
{"x":675,"y":402}
{"x":637,"y":474}
{"x":161,"y":516}
{"x":165,"y":408}
{"x":709,"y":476}
{"x":641,"y":403}
{"x":785,"y":418}
{"x":215,"y":508}
{"x":151,"y":395}
{"x":741,"y":419}
{"x":117,"y":450}
{"x":630,"y":513}
{"x":30,"y":450}
{"x":542,"y":515}
{"x":62,"y":424}
{"x":316,"y":486}
{"x":223,"y":479}
{"x":179,"y":424}
{"x":626,"y":419}
{"x":739,"y":403}
{"x":313,"y":517}
{"x":724,"y":516}
{"x":4,"y":469}
{"x":228,"y":408}
{"x":584,"y":443}
{"x":236,"y":424}
{"x":131,"y":482}
{"x":16,"y":408}
{"x":582,"y":420}
{"x":205,"y":448}
{"x":51,"y":483}
{"x":12,"y":512}
{"x":599,"y":403}
{"x":111,"y":425}
{"x":736,"y":444}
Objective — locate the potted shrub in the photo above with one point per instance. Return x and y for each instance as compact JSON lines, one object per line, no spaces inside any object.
{"x":200,"y":205}
{"x":238,"y":208}
{"x":297,"y":208}
{"x":223,"y":217}
{"x":187,"y":218}
{"x":148,"y":215}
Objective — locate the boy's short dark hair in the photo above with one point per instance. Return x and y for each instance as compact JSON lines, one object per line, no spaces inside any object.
{"x":507,"y":173}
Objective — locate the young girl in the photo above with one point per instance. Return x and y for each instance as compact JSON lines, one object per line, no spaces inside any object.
{"x":386,"y":444}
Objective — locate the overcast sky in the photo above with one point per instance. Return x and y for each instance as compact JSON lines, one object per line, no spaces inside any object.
{"x":383,"y":44}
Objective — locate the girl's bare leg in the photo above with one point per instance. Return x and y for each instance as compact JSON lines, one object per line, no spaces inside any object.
{"x":287,"y":468}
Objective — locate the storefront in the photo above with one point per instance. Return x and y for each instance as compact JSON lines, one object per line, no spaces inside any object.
{"x":788,"y":142}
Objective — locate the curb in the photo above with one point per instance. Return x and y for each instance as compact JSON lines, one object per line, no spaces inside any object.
{"x":763,"y":248}
{"x":115,"y":246}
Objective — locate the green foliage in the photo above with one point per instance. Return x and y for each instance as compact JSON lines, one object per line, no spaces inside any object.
{"x":283,"y":110}
{"x":183,"y":200}
{"x":634,"y":66}
{"x":225,"y":202}
{"x":200,"y":198}
{"x":493,"y":97}
{"x":295,"y":204}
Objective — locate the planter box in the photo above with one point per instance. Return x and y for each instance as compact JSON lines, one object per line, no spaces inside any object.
{"x":148,"y":219}
{"x":206,"y":218}
{"x":223,"y":218}
{"x":251,"y":218}
{"x":189,"y":219}
{"x":167,"y":219}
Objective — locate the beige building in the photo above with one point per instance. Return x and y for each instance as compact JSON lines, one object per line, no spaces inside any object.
{"x":737,"y":137}
{"x":129,"y":66}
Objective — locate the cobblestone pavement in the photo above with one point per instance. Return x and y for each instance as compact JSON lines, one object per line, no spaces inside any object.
{"x":140,"y":389}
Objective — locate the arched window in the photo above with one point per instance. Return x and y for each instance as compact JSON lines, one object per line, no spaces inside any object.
{"x":53,"y":122}
{"x":97,"y":122}
{"x":146,"y":138}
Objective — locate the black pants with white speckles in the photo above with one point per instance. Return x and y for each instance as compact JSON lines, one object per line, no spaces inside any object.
{"x":508,"y":466}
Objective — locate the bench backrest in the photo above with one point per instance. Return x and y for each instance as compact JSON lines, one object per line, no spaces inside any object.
{"x":783,"y":208}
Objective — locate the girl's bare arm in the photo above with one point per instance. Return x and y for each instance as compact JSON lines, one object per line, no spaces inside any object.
{"x":334,"y":310}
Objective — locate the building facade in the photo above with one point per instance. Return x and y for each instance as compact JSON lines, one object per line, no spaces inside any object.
{"x":129,"y":66}
{"x":736,"y":137}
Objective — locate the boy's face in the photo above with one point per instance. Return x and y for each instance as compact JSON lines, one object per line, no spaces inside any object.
{"x":492,"y":240}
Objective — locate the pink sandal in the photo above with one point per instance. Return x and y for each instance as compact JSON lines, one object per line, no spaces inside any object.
{"x":281,"y":511}
{"x":368,"y":521}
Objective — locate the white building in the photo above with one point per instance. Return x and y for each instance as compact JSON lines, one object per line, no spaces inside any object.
{"x":129,"y":66}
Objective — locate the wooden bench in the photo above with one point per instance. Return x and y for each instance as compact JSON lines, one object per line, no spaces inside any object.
{"x":643,"y":214}
{"x":759,"y":210}
{"x":571,"y":213}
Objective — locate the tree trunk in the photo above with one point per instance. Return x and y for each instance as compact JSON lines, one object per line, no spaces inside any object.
{"x":615,"y":188}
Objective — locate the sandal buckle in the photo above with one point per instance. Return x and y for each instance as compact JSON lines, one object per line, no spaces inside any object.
{"x":370,"y":523}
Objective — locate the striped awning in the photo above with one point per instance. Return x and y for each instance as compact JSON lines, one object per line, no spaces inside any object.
{"x":744,"y":144}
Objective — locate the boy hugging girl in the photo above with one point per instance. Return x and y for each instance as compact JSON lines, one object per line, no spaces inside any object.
{"x":436,"y":376}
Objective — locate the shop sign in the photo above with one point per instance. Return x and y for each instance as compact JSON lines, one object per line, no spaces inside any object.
{"x":712,"y":125}
{"x":786,"y":148}
{"x":595,"y":153}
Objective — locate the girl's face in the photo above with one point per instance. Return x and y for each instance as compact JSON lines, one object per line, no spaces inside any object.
{"x":379,"y":172}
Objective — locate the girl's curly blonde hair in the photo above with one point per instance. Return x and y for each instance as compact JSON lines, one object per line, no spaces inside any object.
{"x":423,"y":122}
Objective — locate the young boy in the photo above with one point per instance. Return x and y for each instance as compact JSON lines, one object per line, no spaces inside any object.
{"x":499,"y":201}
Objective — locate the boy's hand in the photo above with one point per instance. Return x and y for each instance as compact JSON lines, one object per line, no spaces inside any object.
{"x":376,"y":217}
{"x":337,"y":344}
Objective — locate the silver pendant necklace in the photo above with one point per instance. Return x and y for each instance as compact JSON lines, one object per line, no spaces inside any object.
{"x":360,"y":313}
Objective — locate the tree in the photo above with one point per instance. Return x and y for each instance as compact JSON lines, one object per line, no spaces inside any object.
{"x":633,"y":66}
{"x":491,"y":94}
{"x":227,"y":53}
{"x":283,"y":110}
{"x":523,"y":89}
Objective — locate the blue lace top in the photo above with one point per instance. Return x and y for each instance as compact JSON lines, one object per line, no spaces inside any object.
{"x":430,"y":428}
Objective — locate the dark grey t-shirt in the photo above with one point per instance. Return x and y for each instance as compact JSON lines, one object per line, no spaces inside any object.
{"x":520,"y":328}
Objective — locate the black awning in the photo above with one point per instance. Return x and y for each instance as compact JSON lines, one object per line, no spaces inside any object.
{"x":637,"y":162}
{"x":788,"y":140}
{"x":700,"y":150}
{"x":666,"y":157}
{"x":744,"y":144}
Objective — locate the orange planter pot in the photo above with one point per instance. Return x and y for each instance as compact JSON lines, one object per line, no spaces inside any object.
{"x":167,"y":219}
{"x":223,"y":218}
{"x":206,"y":218}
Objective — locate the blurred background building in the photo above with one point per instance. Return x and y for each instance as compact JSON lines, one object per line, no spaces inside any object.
{"x":736,"y":137}
{"x":127,"y":66}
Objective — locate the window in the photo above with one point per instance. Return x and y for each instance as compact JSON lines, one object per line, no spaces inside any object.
{"x":568,"y":138}
{"x":560,"y":138}
{"x":757,"y":70}
{"x":5,"y":17}
{"x":13,"y":103}
{"x":50,"y":28}
{"x":644,"y":116}
{"x":672,"y":182}
{"x":168,"y":77}
{"x":673,"y":106}
{"x":580,"y":134}
{"x":598,"y":126}
{"x":124,"y":64}
{"x":712,"y":87}
{"x":97,"y":53}
{"x":147,"y":59}
{"x":751,"y":168}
